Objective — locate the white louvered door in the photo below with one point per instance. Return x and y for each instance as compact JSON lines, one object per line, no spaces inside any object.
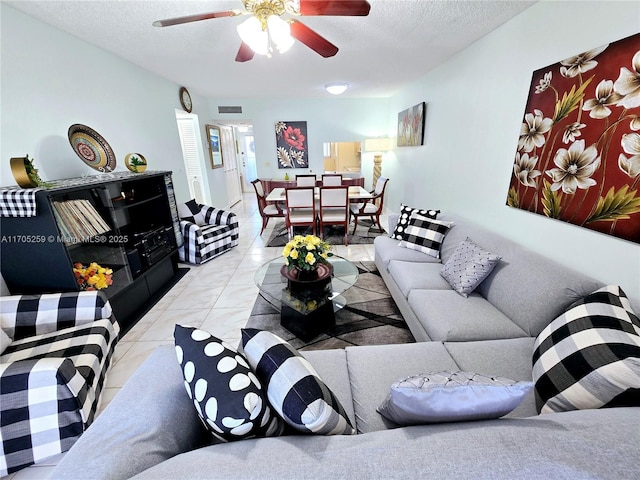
{"x":192,"y":157}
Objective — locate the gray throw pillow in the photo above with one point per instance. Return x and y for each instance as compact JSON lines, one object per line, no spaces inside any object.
{"x":451,"y":397}
{"x":468,"y":266}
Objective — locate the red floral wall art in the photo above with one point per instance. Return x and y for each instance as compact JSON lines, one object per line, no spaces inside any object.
{"x":578,"y":156}
{"x":291,"y":143}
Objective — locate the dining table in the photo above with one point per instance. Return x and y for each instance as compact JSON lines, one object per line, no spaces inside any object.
{"x":355,"y":193}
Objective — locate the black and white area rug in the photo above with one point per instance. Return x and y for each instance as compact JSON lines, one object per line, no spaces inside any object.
{"x":334,"y":235}
{"x":370,"y":317}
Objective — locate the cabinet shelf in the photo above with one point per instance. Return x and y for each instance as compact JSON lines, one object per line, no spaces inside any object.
{"x":124,"y":204}
{"x":140,"y":243}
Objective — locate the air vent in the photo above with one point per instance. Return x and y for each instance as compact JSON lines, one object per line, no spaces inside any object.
{"x":229,"y":109}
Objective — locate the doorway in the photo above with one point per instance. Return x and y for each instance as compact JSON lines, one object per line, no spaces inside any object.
{"x":193,"y":156}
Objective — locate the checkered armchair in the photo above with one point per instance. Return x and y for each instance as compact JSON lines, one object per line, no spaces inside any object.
{"x":52,"y":372}
{"x":208,"y":232}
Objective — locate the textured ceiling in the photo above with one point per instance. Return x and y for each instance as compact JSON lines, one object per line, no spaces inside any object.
{"x":398,"y":42}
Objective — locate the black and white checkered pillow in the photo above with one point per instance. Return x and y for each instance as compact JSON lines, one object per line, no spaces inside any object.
{"x":403,"y":219}
{"x":425,"y":234}
{"x":228,"y":397}
{"x":191,"y":212}
{"x":589,"y":357}
{"x":294,"y":388}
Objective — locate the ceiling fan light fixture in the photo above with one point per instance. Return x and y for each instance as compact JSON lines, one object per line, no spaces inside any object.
{"x":280,"y":33}
{"x":252,"y":34}
{"x":336,"y":88}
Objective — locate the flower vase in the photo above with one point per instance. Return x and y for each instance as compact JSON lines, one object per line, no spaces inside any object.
{"x":307,"y":275}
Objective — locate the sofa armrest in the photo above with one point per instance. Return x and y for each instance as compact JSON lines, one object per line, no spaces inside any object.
{"x":23,"y":316}
{"x":149,"y":421}
{"x":39,"y":412}
{"x":393,"y":220}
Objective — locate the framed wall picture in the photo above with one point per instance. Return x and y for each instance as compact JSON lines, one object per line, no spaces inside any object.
{"x":411,"y":126}
{"x":215,"y":150}
{"x":291,"y":144}
{"x":578,"y":154}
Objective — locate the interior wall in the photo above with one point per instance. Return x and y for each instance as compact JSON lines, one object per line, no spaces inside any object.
{"x":51,"y":80}
{"x":475,"y":105}
{"x":328,"y":120}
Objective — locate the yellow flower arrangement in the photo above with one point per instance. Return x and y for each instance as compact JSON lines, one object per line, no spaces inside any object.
{"x":306,"y":252}
{"x":93,"y":277}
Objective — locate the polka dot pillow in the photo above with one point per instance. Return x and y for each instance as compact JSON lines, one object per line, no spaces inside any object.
{"x":227,"y":395}
{"x":399,"y":233}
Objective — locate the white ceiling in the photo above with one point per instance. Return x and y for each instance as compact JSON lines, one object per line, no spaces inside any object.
{"x":398,"y":42}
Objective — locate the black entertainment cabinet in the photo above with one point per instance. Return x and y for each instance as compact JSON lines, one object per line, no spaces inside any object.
{"x":124,"y":221}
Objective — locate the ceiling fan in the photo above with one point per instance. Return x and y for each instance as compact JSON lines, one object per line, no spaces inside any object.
{"x":267,"y":27}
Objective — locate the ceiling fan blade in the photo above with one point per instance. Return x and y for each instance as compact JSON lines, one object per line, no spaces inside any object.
{"x":245,"y":53}
{"x":195,"y":18}
{"x":311,"y":39}
{"x":351,"y":8}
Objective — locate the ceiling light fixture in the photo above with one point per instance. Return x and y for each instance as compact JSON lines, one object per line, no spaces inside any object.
{"x":265,"y":27}
{"x":336,"y":88}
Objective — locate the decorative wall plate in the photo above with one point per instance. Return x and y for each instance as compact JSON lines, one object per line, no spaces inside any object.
{"x":135,"y":162}
{"x":92,"y":148}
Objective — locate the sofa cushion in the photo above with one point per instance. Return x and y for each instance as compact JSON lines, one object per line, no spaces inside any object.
{"x":399,"y":231}
{"x":527,"y":287}
{"x":387,"y":249}
{"x":451,"y":396}
{"x":374,"y":367}
{"x":226,"y":394}
{"x":294,"y":388}
{"x":447,"y":316}
{"x":469,"y":265}
{"x":425,"y":235}
{"x":589,"y":357}
{"x":509,"y":358}
{"x":417,"y":275}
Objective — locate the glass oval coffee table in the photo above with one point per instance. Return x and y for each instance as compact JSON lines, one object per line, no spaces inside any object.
{"x":306,"y":312}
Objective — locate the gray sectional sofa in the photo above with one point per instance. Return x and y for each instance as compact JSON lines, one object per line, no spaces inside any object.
{"x":520,"y":297}
{"x":151,"y":430}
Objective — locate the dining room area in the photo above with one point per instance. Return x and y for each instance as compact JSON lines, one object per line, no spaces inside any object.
{"x":329,"y":206}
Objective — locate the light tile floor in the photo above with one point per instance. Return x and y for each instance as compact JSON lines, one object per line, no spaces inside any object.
{"x":219,"y":299}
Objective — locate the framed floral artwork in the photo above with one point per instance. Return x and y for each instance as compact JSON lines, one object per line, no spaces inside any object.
{"x":578,"y":155}
{"x":291,"y":145}
{"x":411,"y":126}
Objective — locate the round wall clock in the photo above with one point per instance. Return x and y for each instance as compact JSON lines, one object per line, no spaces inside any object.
{"x":185,"y":99}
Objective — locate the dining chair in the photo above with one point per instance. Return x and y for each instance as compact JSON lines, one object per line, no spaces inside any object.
{"x":334,"y":209}
{"x":368,"y":208}
{"x":331,"y":179}
{"x":301,"y":209}
{"x":267,"y":210}
{"x":305,"y":180}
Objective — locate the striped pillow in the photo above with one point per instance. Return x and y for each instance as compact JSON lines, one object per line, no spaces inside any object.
{"x":425,"y":234}
{"x":589,"y":357}
{"x":294,"y":389}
